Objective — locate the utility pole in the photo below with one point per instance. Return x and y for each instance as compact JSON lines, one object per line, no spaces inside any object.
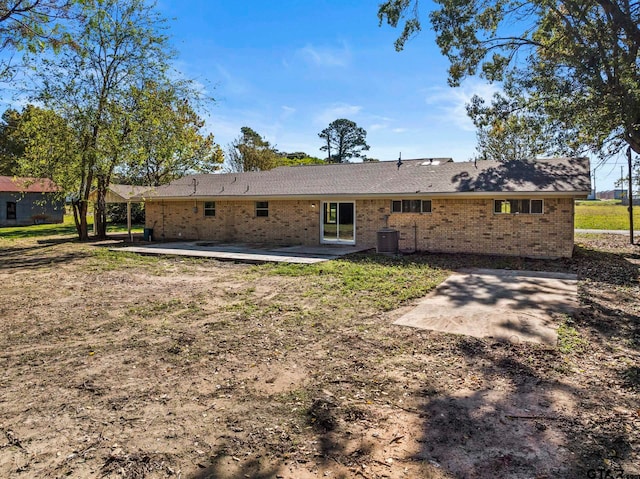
{"x":595,"y":189}
{"x":630,"y":196}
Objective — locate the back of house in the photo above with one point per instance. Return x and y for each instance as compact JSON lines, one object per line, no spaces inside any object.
{"x":519,"y":208}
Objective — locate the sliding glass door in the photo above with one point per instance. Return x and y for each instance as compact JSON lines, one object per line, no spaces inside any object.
{"x":338,"y":222}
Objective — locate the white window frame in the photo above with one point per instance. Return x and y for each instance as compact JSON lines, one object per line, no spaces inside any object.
{"x":509,"y":202}
{"x":262,"y":209}
{"x":207,"y":208}
{"x":422,"y":208}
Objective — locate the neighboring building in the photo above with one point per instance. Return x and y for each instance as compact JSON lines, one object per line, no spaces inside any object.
{"x":514,"y":208}
{"x":604,"y":195}
{"x":617,"y":194}
{"x":28,"y":201}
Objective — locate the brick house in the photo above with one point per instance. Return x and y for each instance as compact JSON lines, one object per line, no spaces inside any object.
{"x":437,"y":205}
{"x":28,"y":201}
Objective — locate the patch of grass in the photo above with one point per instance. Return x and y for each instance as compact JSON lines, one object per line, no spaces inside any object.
{"x":598,"y":202}
{"x":192,"y":312}
{"x":122,"y":228}
{"x":108,"y":260}
{"x":569,"y":339}
{"x":296,"y":399}
{"x":243,"y":310}
{"x":385,"y":281}
{"x":604,"y":215}
{"x":631,"y":377}
{"x":156,"y":308}
{"x":66,"y":228}
{"x":241,"y":293}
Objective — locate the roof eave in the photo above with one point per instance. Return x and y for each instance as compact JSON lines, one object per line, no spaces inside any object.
{"x":418,"y":194}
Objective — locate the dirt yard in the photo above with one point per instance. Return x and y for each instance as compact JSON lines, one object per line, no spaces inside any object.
{"x":115,"y":365}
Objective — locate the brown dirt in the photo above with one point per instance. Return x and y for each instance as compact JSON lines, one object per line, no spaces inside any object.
{"x":148,"y":368}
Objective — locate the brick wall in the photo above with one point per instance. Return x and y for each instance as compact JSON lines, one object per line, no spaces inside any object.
{"x":289,"y":222}
{"x":470,"y":226}
{"x":455,"y":225}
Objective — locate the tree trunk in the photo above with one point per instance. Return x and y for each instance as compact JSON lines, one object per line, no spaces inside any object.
{"x":630,"y":195}
{"x":80,"y":219}
{"x":100,"y":217}
{"x":83,"y":207}
{"x":329,"y":159}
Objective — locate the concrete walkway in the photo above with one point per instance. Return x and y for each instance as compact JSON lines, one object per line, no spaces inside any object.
{"x":506,"y":305}
{"x":246,"y":253}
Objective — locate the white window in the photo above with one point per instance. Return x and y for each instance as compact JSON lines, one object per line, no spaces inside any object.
{"x":411,"y":206}
{"x":209,"y":208}
{"x":514,"y":207}
{"x":262,"y":208}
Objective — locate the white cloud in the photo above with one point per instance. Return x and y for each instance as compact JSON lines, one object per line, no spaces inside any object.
{"x":326,"y":56}
{"x":383,"y":119}
{"x":340,"y":110}
{"x":450,"y":103}
{"x":385,"y":126}
{"x":287,"y":111}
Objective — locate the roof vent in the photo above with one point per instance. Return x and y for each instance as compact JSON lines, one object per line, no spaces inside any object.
{"x":430,"y":162}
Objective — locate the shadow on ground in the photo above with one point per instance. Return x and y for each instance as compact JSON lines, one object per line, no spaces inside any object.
{"x":24,"y":258}
{"x":526,"y":418}
{"x":519,"y":424}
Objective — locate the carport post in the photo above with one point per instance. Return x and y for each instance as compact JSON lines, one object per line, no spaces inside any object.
{"x":129,"y":220}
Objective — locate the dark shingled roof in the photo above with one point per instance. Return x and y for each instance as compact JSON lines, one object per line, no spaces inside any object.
{"x":16,"y":184}
{"x":568,"y":176}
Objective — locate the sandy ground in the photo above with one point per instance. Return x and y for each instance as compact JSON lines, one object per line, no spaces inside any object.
{"x":143,"y":367}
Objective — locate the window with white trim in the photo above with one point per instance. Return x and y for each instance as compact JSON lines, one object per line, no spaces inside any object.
{"x":209,"y":208}
{"x":262,"y":208}
{"x":519,"y":206}
{"x":411,"y":206}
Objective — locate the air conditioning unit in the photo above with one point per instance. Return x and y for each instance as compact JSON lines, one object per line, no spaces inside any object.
{"x":387,"y":241}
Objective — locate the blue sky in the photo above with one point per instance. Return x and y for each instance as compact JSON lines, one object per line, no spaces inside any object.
{"x":288,"y":68}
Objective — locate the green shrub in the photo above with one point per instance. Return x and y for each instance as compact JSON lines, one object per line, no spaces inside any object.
{"x":117,"y":213}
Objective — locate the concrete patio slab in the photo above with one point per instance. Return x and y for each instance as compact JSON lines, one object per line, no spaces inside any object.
{"x":246,"y":253}
{"x":506,"y":305}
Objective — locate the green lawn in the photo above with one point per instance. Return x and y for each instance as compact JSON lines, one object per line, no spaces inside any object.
{"x":604,"y":215}
{"x":66,"y":228}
